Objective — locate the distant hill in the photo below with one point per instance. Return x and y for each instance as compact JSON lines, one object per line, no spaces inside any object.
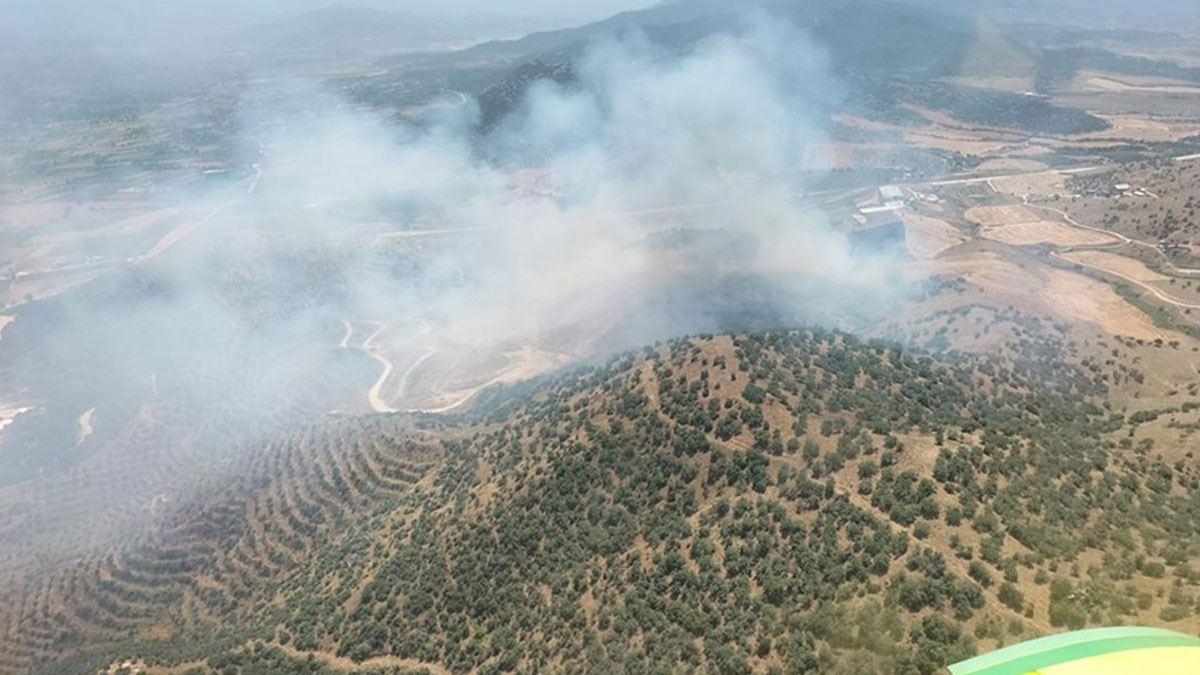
{"x":885,"y":53}
{"x":664,"y":15}
{"x":351,"y":31}
{"x":501,"y":98}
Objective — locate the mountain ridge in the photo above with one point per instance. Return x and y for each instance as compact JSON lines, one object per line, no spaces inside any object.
{"x":799,"y":500}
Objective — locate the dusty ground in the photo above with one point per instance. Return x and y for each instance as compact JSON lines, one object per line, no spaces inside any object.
{"x":378,"y":404}
{"x":1038,"y":289}
{"x":1078,"y":297}
{"x":1098,"y":81}
{"x":37,"y":287}
{"x":1147,"y":128}
{"x":1044,"y":232}
{"x":1010,"y":165}
{"x":521,"y":364}
{"x":1005,"y":214}
{"x":985,"y":269}
{"x":85,"y":424}
{"x":926,"y":237}
{"x":1046,"y":184}
{"x":126,"y":226}
{"x":1019,"y":226}
{"x":8,"y":413}
{"x":179,"y":232}
{"x":1126,"y":267}
{"x":40,"y":213}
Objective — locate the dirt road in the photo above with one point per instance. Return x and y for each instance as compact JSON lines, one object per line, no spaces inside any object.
{"x":373,"y":396}
{"x":1047,"y":172}
{"x":1140,"y":284}
{"x":402,"y":388}
{"x":10,"y":413}
{"x":1124,"y":239}
{"x":85,"y":425}
{"x":177,"y":235}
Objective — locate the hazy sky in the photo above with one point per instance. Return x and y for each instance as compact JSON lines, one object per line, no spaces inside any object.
{"x":239,"y":13}
{"x":176,"y":23}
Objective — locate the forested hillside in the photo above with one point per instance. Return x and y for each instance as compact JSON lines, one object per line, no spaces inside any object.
{"x":781,"y":502}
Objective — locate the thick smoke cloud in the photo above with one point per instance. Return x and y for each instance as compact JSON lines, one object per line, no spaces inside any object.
{"x":642,"y":141}
{"x":409,"y":264}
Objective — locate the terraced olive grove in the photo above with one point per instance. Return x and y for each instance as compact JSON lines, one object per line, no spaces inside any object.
{"x":801,"y":501}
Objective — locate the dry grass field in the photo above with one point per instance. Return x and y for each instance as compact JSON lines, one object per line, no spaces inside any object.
{"x":1118,"y":264}
{"x":1006,"y":214}
{"x":42,"y":214}
{"x":1099,"y":81}
{"x":122,"y":227}
{"x":926,"y":237}
{"x":1030,"y":233}
{"x":1042,"y":184}
{"x":1037,"y":289}
{"x":1019,"y":226}
{"x":1077,"y":297}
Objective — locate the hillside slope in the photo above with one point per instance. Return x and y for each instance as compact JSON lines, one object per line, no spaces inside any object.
{"x":883,"y":55}
{"x":775,"y":502}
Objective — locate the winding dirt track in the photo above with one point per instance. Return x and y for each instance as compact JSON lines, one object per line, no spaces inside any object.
{"x":402,"y":388}
{"x":1156,"y":292}
{"x":85,"y":425}
{"x":1124,"y":239}
{"x":1140,"y":284}
{"x":373,"y":397}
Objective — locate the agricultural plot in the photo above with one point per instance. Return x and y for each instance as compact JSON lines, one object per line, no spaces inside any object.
{"x":1019,"y":226}
{"x":1117,"y":264}
{"x":926,"y":237}
{"x":1083,"y":299}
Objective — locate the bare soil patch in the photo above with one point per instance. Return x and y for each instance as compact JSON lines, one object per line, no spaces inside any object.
{"x":123,"y":227}
{"x":1017,"y":225}
{"x":1078,"y":297}
{"x":1037,"y":289}
{"x":39,"y":213}
{"x":8,"y":413}
{"x":926,"y":237}
{"x":1146,"y":128}
{"x":1010,"y":164}
{"x":1044,"y":232}
{"x":988,"y":271}
{"x":1005,"y":214}
{"x":35,"y":287}
{"x":85,"y":424}
{"x":1094,"y":81}
{"x":522,"y":363}
{"x":1118,"y":264}
{"x":1047,"y":184}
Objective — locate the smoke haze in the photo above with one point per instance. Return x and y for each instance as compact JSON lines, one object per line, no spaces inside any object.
{"x":362,"y":264}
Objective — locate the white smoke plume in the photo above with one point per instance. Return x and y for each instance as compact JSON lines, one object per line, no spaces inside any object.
{"x":369,"y":263}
